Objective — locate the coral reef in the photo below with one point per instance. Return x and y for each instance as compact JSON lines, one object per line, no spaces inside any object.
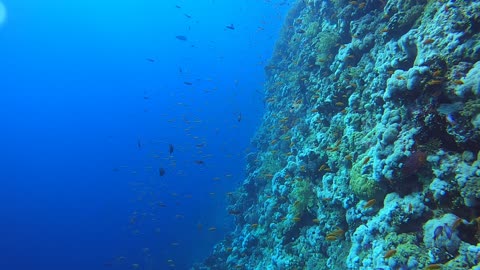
{"x":369,"y":150}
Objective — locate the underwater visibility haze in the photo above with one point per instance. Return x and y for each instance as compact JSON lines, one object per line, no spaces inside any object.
{"x":254,"y":134}
{"x":93,"y":94}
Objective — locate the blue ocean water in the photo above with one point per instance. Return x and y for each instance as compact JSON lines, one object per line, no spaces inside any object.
{"x":93,"y":94}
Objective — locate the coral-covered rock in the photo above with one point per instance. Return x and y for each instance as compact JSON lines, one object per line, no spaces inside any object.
{"x":368,"y":143}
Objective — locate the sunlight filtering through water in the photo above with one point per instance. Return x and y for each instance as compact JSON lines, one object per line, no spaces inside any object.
{"x":3,"y":14}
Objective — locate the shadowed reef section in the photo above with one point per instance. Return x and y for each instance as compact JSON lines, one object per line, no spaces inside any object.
{"x":368,"y":153}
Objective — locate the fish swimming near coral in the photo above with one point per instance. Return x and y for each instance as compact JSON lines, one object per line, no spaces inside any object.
{"x":433,"y":266}
{"x":369,"y":204}
{"x":445,"y":229}
{"x":438,"y":231}
{"x":390,"y":253}
{"x":234,"y":212}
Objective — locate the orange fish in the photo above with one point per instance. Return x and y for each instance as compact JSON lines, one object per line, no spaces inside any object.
{"x":390,"y":253}
{"x":369,"y":204}
{"x":428,"y":41}
{"x":336,"y":233}
{"x":433,"y":266}
{"x":331,"y":237}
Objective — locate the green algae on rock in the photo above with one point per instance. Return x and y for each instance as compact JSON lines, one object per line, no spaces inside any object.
{"x":362,"y":184}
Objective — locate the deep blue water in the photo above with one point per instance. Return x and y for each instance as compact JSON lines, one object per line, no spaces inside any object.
{"x":92,"y":94}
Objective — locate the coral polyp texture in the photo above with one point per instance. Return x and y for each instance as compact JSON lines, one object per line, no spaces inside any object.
{"x":368,"y":153}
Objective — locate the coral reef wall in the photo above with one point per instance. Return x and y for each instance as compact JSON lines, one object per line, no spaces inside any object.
{"x":368,"y":154}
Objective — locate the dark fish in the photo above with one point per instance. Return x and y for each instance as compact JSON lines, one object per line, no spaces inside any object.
{"x":150,"y":59}
{"x":239,"y":117}
{"x":177,"y":6}
{"x":438,"y":231}
{"x":270,"y":67}
{"x":234,"y":212}
{"x":139,"y":144}
{"x":170,"y":149}
{"x":200,"y":162}
{"x":187,"y":83}
{"x":161,"y":171}
{"x":448,"y":231}
{"x":188,"y":16}
{"x":231,"y":27}
{"x":180,"y":37}
{"x":300,"y":31}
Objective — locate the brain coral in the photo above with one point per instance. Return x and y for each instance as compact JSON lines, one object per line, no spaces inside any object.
{"x":362,"y":185}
